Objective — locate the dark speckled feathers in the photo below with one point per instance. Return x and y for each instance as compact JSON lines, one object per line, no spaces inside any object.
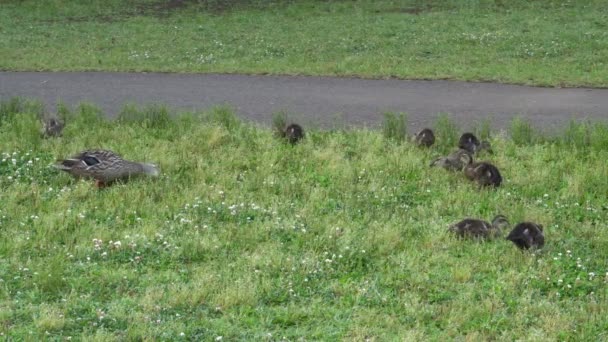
{"x":104,"y":166}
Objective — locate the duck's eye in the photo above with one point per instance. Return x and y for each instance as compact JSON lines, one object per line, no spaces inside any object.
{"x":90,"y":160}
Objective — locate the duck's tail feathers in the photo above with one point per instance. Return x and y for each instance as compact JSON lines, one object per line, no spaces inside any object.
{"x":150,"y":169}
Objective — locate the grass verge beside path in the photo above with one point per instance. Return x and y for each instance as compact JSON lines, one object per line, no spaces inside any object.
{"x":340,"y":237}
{"x":550,"y":43}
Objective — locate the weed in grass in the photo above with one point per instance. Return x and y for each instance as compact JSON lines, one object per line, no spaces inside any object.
{"x":484,"y":130}
{"x":279,"y":122}
{"x":394,"y":126}
{"x":225,"y":117}
{"x":522,"y":132}
{"x":446,"y":131}
{"x":155,"y":116}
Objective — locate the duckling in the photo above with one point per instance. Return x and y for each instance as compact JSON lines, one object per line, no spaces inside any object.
{"x":425,"y":138}
{"x":293,"y":133}
{"x":105,"y":167}
{"x":474,"y":228}
{"x":456,"y":161}
{"x":484,"y":173}
{"x":468,"y":142}
{"x":52,"y":127}
{"x":527,"y":235}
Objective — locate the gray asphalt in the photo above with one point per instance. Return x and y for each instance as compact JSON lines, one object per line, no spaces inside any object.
{"x":316,"y":101}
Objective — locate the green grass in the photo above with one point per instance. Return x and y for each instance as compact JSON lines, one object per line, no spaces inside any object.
{"x":341,"y":237}
{"x":550,"y":43}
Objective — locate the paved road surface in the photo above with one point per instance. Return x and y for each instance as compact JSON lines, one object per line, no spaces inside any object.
{"x":318,"y":101}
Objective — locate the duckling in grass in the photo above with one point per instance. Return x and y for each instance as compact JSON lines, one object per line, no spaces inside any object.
{"x":293,"y":133}
{"x":425,"y":138}
{"x":527,"y":235}
{"x":474,"y":228}
{"x":456,"y":161}
{"x":105,"y":167}
{"x":483,"y":173}
{"x":52,"y":127}
{"x":468,"y":142}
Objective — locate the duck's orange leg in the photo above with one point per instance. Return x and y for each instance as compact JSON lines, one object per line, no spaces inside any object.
{"x":100,"y":184}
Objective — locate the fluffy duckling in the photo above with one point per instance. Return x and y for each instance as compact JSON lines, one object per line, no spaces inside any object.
{"x":456,"y":161}
{"x":105,"y":167}
{"x":52,"y":127}
{"x":527,"y":235}
{"x":468,"y":142}
{"x":474,"y":228}
{"x":483,"y":173}
{"x":293,"y":133}
{"x":425,"y":138}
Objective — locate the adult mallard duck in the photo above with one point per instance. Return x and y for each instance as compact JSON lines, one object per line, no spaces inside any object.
{"x":474,"y":228}
{"x":52,"y":127}
{"x":483,"y":173}
{"x":527,"y":235}
{"x":455,"y":161}
{"x":105,"y":167}
{"x":424,"y":138}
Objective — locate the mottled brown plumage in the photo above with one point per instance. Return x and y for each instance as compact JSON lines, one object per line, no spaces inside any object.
{"x":293,"y":133}
{"x":527,"y":235}
{"x":425,"y":138}
{"x":474,"y":228}
{"x":456,"y":161}
{"x":52,"y":127}
{"x":483,"y":173}
{"x":468,"y":142}
{"x":105,"y":167}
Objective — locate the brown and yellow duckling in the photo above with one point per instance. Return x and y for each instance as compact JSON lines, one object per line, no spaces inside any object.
{"x":105,"y":167}
{"x":475,"y":228}
{"x":527,"y":235}
{"x":424,"y":138}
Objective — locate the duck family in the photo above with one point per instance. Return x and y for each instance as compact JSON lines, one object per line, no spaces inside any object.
{"x":107,"y":167}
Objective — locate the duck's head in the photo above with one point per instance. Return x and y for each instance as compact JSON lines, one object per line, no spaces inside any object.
{"x":500,"y":222}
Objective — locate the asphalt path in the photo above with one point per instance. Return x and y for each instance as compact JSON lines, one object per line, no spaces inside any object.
{"x":314,"y":101}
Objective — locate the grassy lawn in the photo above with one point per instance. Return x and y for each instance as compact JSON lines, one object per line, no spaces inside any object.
{"x":552,"y":43}
{"x":342,"y":237}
